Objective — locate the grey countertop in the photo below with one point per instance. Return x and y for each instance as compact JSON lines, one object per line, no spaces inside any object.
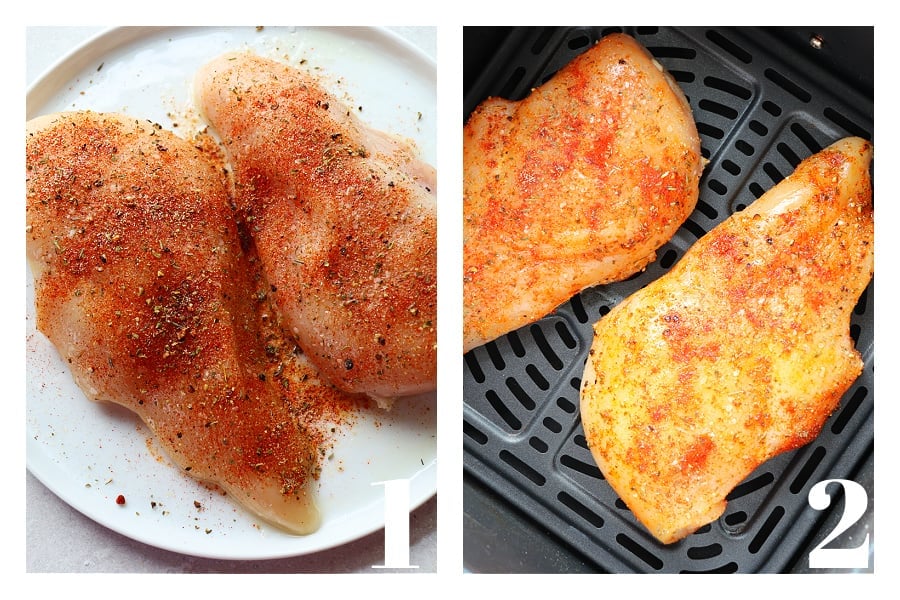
{"x":59,"y":539}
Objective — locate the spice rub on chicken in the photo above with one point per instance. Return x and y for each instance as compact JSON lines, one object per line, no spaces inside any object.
{"x":577,"y":184}
{"x":144,"y":288}
{"x":737,"y":354}
{"x":344,"y":219}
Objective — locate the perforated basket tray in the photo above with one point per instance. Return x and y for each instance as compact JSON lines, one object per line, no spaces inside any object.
{"x":761,"y":106}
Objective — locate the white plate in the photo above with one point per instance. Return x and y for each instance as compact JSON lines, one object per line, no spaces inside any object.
{"x":90,"y":453}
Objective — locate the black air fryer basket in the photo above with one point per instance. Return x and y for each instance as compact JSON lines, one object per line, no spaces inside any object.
{"x":763,"y":99}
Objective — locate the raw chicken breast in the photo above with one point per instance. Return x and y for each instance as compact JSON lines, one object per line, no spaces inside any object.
{"x":143,"y":287}
{"x":576,"y":185}
{"x":344,"y":219}
{"x":737,"y":354}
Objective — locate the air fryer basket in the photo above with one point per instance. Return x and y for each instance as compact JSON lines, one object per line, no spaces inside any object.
{"x":761,"y":104}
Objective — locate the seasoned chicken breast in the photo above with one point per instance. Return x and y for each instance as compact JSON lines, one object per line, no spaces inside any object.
{"x":576,"y":185}
{"x":737,"y":354}
{"x":344,"y":219}
{"x":143,"y":286}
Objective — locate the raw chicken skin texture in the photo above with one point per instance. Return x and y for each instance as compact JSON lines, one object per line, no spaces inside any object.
{"x":344,"y":219}
{"x":576,"y":185}
{"x":737,"y":354}
{"x":143,"y":287}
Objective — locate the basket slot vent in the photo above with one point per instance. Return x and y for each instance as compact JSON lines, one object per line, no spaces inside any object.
{"x":640,"y":552}
{"x":519,"y":394}
{"x":772,"y":108}
{"x":474,"y":368}
{"x":552,"y":425}
{"x":729,"y":567}
{"x":577,"y":43}
{"x":849,"y":409}
{"x":854,"y":333}
{"x":750,"y":486}
{"x":673,"y":52}
{"x":842,"y":121}
{"x":620,"y":504}
{"x":575,"y":382}
{"x":565,"y":335}
{"x":536,"y":376}
{"x":695,"y":229}
{"x":580,"y":440}
{"x":804,"y":136}
{"x":716,"y":186}
{"x":668,"y":258}
{"x":540,"y":44}
{"x":731,"y":167}
{"x":515,"y":343}
{"x":718,"y":109}
{"x":860,"y":308}
{"x":766,"y":530}
{"x":578,"y":309}
{"x":495,"y":356}
{"x":788,"y":154}
{"x":787,"y":85}
{"x":707,"y":209}
{"x":509,"y":88}
{"x":545,"y":348}
{"x":728,"y":87}
{"x":519,"y":465}
{"x":647,"y":30}
{"x":729,"y":46}
{"x":809,"y":467}
{"x":710,"y":130}
{"x":538,"y":444}
{"x":773,"y":173}
{"x":581,"y":467}
{"x":566,"y":405}
{"x":502,"y":410}
{"x":744,"y":147}
{"x":757,"y":190}
{"x":682,"y":76}
{"x":474,"y":433}
{"x":704,"y":552}
{"x":735,"y":518}
{"x":580,"y":509}
{"x":758,"y":128}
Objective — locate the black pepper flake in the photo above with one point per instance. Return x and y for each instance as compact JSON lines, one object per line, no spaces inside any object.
{"x":348,"y":364}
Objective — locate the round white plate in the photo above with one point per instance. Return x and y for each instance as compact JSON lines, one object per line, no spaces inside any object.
{"x":89,"y":454}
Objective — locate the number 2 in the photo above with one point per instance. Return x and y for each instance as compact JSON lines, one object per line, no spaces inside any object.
{"x":855,"y":504}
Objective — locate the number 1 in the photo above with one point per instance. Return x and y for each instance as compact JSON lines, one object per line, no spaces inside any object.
{"x":396,"y":524}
